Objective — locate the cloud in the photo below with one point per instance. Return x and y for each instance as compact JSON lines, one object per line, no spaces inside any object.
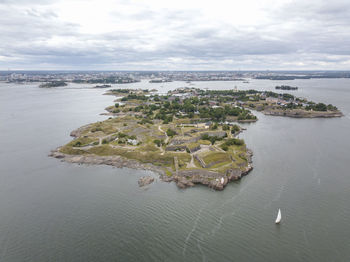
{"x":113,"y":35}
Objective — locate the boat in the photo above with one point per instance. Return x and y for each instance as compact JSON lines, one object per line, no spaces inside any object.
{"x":279,"y":217}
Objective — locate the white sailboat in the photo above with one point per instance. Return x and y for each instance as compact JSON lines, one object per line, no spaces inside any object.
{"x":279,"y":217}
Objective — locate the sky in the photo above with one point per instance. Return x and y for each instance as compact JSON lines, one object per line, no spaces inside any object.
{"x":175,"y":35}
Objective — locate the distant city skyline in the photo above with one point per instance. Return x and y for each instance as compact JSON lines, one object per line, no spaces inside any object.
{"x":174,"y":35}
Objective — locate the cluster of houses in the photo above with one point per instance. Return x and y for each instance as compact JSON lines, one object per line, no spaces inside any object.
{"x":281,"y":102}
{"x":187,"y":92}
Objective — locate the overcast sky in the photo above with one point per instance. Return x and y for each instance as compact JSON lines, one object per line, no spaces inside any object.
{"x":175,"y":35}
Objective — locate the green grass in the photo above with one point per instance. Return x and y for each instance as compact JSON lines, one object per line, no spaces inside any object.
{"x":192,"y":146}
{"x":107,"y":127}
{"x":168,"y":173}
{"x":204,"y":142}
{"x":82,"y":141}
{"x":196,"y":163}
{"x":72,"y":151}
{"x":106,"y":150}
{"x":148,"y":148}
{"x":185,"y":157}
{"x":222,"y":166}
{"x":213,"y":157}
{"x":151,"y":157}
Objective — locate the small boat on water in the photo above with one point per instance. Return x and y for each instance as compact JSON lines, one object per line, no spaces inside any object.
{"x":279,"y":217}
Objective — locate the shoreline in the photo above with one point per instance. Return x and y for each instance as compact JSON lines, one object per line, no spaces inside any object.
{"x":115,"y":161}
{"x":183,"y":178}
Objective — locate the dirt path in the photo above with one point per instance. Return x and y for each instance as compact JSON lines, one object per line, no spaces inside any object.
{"x":191,"y":163}
{"x":162,"y":151}
{"x":165,"y":141}
{"x":166,"y":136}
{"x":87,"y":147}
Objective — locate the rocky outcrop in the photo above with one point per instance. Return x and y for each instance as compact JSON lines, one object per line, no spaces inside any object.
{"x":183,"y":182}
{"x":145,"y":180}
{"x":116,"y":161}
{"x":78,"y":132}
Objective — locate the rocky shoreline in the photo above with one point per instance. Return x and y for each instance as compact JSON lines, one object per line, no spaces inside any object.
{"x":302,"y":113}
{"x":145,"y":180}
{"x":183,"y":179}
{"x":116,"y":161}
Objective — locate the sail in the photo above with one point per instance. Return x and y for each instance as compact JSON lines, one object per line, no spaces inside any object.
{"x":279,"y":217}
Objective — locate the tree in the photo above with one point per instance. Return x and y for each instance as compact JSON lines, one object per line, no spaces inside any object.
{"x":225,"y":127}
{"x":320,"y":107}
{"x":235,"y":128}
{"x":188,"y":107}
{"x":214,"y":126}
{"x":157,"y":142}
{"x":217,"y":114}
{"x":224,"y":147}
{"x":166,"y":105}
{"x":170,"y":132}
{"x":332,"y":107}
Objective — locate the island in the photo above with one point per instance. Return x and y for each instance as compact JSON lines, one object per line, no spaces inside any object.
{"x":107,"y":80}
{"x":189,"y":135}
{"x":271,"y":103}
{"x":53,"y":84}
{"x":102,"y":86}
{"x":159,"y":80}
{"x":284,"y":87}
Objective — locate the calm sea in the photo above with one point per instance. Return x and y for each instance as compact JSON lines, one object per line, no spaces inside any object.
{"x":54,"y":211}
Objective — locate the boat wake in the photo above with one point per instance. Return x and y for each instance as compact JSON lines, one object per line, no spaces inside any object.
{"x":277,"y":196}
{"x":192,"y":230}
{"x":201,"y":251}
{"x":279,"y":193}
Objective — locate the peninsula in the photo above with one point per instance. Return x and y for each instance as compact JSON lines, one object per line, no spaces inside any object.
{"x":188,"y":136}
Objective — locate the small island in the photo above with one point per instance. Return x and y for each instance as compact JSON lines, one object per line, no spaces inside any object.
{"x":102,"y":86}
{"x":53,"y":84}
{"x":188,"y":136}
{"x":284,"y":87}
